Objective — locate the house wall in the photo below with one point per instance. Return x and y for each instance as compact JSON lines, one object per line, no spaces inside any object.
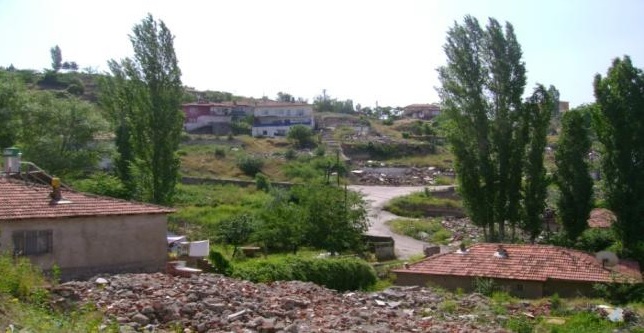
{"x":567,"y":288}
{"x":523,"y":289}
{"x":85,"y":246}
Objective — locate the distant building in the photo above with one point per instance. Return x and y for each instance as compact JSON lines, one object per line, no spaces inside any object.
{"x":524,"y":270}
{"x":276,"y":118}
{"x":214,"y":118}
{"x":564,"y":106}
{"x":421,"y":111}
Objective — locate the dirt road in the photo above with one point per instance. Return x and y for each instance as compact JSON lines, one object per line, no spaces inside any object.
{"x":377,"y":197}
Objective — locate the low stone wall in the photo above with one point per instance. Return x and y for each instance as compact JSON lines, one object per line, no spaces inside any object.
{"x":220,"y":181}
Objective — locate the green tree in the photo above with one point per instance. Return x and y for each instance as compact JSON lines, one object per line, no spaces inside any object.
{"x":285,"y":97}
{"x":11,"y":96}
{"x":145,"y":97}
{"x":619,"y":126}
{"x":282,"y":224}
{"x":336,"y":218}
{"x":56,"y":58}
{"x":572,"y":177}
{"x":538,"y":110}
{"x":57,"y":134}
{"x":301,"y":135}
{"x":235,"y":231}
{"x":481,"y":91}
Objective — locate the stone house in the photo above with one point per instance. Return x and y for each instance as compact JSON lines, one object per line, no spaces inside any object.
{"x":421,"y":111}
{"x":80,"y":233}
{"x":523,"y":270}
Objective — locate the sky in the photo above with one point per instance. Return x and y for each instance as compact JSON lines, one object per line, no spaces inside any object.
{"x":371,"y":51}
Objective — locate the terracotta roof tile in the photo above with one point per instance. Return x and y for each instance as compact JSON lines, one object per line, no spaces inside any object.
{"x":526,"y":262}
{"x":20,"y":200}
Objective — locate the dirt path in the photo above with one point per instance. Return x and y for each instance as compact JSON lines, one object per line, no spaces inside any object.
{"x":377,"y":197}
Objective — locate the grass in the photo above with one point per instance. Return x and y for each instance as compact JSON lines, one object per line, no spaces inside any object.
{"x":419,"y":204}
{"x":412,"y":228}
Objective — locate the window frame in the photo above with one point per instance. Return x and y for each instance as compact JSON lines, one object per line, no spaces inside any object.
{"x":33,"y":242}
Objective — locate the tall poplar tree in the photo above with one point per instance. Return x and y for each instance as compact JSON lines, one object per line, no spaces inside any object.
{"x":538,"y":110}
{"x":144,"y":96}
{"x":482,"y":85}
{"x":619,"y":126}
{"x":572,"y":176}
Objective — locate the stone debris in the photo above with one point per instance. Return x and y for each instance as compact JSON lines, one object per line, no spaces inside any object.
{"x":214,"y":303}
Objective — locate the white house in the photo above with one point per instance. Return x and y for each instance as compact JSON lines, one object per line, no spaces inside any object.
{"x":276,"y":118}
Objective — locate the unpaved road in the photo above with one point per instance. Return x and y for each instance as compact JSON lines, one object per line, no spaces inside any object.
{"x":377,"y":197}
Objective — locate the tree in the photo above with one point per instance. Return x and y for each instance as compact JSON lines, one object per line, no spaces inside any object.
{"x":11,"y":95}
{"x":301,"y":135}
{"x":282,"y":224}
{"x":538,"y":110}
{"x":235,"y":231}
{"x":56,"y":58}
{"x":143,"y":95}
{"x":335,"y":218}
{"x":284,"y":97}
{"x":619,"y":126}
{"x":572,"y":177}
{"x":58,"y":134}
{"x":482,"y":85}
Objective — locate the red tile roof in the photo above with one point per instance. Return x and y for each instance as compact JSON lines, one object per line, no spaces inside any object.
{"x":526,"y":262}
{"x":601,"y":218}
{"x":20,"y":201}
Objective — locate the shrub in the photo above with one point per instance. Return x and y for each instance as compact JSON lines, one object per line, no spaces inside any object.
{"x":340,"y":274}
{"x":221,"y":264}
{"x":405,"y":135}
{"x":485,"y":286}
{"x":220,"y":152}
{"x":21,"y":279}
{"x":290,"y":154}
{"x":620,"y":293}
{"x":319,"y":151}
{"x":301,"y":136}
{"x":262,"y":182}
{"x":103,"y":184}
{"x":250,"y":165}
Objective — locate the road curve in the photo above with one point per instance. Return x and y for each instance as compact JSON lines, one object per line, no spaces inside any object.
{"x":377,"y":197}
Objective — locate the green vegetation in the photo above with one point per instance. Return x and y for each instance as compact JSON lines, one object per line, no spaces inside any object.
{"x":143,"y":98}
{"x":301,"y":136}
{"x":435,"y":232}
{"x":420,"y":204}
{"x":340,"y":274}
{"x":24,"y":302}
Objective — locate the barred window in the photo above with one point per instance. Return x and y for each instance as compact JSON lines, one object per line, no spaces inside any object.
{"x":32,"y":242}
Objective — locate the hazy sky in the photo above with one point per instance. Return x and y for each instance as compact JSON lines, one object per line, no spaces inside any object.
{"x":368,"y":51}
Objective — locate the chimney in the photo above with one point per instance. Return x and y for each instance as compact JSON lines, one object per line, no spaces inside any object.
{"x":11,"y":160}
{"x":501,"y":252}
{"x":55,"y":194}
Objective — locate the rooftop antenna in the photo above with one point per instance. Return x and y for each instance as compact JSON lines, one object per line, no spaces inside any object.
{"x":607,"y":258}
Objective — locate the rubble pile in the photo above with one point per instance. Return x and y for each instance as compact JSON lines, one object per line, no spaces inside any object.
{"x":213,"y":303}
{"x":411,"y":176}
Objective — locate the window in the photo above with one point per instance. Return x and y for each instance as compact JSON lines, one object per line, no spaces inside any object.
{"x":32,"y":242}
{"x":519,"y":287}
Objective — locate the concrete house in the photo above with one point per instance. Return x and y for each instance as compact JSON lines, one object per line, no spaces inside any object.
{"x":212,"y":118}
{"x":276,"y":118}
{"x":80,"y":233}
{"x":524,"y":270}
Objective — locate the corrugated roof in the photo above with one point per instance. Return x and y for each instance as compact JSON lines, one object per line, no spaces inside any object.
{"x":526,"y":262}
{"x":20,"y":200}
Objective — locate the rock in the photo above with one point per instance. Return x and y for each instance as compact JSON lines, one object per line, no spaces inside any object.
{"x":101,"y":281}
{"x":141,"y":319}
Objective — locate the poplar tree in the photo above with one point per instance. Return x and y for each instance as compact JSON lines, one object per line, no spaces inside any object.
{"x":144,"y":97}
{"x":572,"y":176}
{"x":482,"y":85}
{"x":619,"y":126}
{"x":538,"y":110}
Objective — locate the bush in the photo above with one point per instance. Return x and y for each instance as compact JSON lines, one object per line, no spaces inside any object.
{"x":220,"y":152}
{"x":319,"y":151}
{"x":485,"y":286}
{"x":302,"y":136}
{"x":339,"y":274}
{"x":595,"y":239}
{"x":21,"y":279}
{"x":290,"y":154}
{"x":620,"y":293}
{"x":221,"y":264}
{"x":250,"y":165}
{"x":262,"y":182}
{"x":103,"y":184}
